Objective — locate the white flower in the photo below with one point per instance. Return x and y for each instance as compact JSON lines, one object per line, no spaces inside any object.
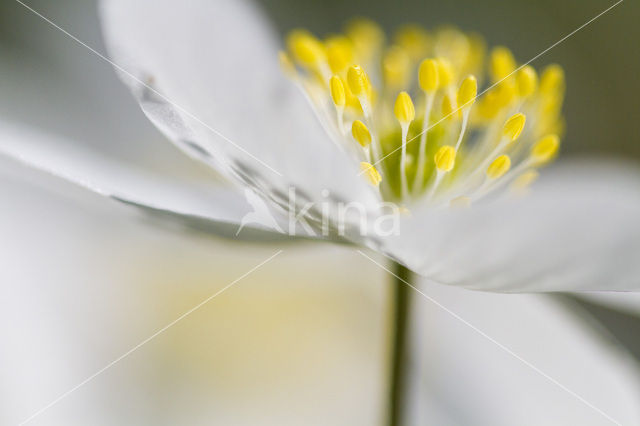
{"x":223,"y":99}
{"x":97,"y":291}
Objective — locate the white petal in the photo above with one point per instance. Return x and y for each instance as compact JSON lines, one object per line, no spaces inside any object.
{"x":482,"y":384}
{"x":207,"y":74}
{"x":108,"y":145}
{"x":578,"y":230}
{"x":126,"y":182}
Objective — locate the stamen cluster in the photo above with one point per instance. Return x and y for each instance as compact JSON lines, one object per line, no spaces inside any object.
{"x":409,"y":111}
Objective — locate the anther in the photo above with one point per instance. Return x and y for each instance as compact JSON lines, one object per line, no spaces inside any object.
{"x":445,"y":72}
{"x":552,"y":79}
{"x":357,"y":80}
{"x":545,"y":149}
{"x":448,"y":108}
{"x":404,"y":109}
{"x":428,"y":75}
{"x":445,"y":158}
{"x":524,"y":180}
{"x":360,"y":133}
{"x":305,"y":48}
{"x":499,"y":167}
{"x":514,"y":126}
{"x":502,"y":63}
{"x":370,"y":173}
{"x":337,"y":91}
{"x":339,"y":53}
{"x":396,"y":66}
{"x":467,"y":92}
{"x":526,"y":81}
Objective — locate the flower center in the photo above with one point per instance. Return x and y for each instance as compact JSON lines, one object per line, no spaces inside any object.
{"x":409,"y":110}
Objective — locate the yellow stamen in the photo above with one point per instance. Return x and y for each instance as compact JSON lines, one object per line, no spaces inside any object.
{"x":367,"y":37}
{"x":448,"y":107}
{"x":332,"y":71}
{"x":499,"y":167}
{"x":404,"y":109}
{"x":527,"y":81}
{"x":370,"y":173}
{"x":445,"y":158}
{"x":467,"y":92}
{"x":445,"y":72}
{"x":428,"y":75}
{"x":357,"y":80}
{"x":337,"y":91}
{"x":524,"y":180}
{"x":405,"y":113}
{"x":545,"y":149}
{"x":396,"y":67}
{"x":305,"y":48}
{"x":502,"y":63}
{"x":552,"y":79}
{"x":339,"y":53}
{"x":360,"y":133}
{"x":514,"y":126}
{"x":414,"y":40}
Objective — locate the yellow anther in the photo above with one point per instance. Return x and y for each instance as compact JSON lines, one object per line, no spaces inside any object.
{"x":467,"y":92}
{"x":428,"y":75}
{"x":445,"y":158}
{"x":545,"y":149}
{"x":361,"y":133}
{"x":286,"y":64}
{"x":506,"y":92}
{"x":449,"y":109}
{"x":460,"y":202}
{"x":524,"y":180}
{"x":414,"y":39}
{"x":305,"y":48}
{"x":552,"y":79}
{"x":499,"y":167}
{"x":502,"y":63}
{"x":475,"y":57}
{"x":445,"y":72}
{"x":337,"y":91}
{"x":358,"y":81}
{"x":514,"y":126}
{"x":403,"y":109}
{"x":339,"y":53}
{"x":370,"y":173}
{"x":527,"y":81}
{"x":367,"y":37}
{"x":396,"y":66}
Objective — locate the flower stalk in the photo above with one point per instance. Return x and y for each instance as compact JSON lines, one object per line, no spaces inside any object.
{"x":398,"y":380}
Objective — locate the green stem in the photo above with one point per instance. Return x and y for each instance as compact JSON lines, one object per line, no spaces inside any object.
{"x":400,"y":315}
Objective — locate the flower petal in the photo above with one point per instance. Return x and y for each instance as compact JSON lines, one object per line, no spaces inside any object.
{"x":482,"y":384}
{"x":577,"y":230}
{"x":126,"y":182}
{"x":207,"y":74}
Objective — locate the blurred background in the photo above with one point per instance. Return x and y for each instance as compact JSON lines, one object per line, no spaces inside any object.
{"x":302,"y":340}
